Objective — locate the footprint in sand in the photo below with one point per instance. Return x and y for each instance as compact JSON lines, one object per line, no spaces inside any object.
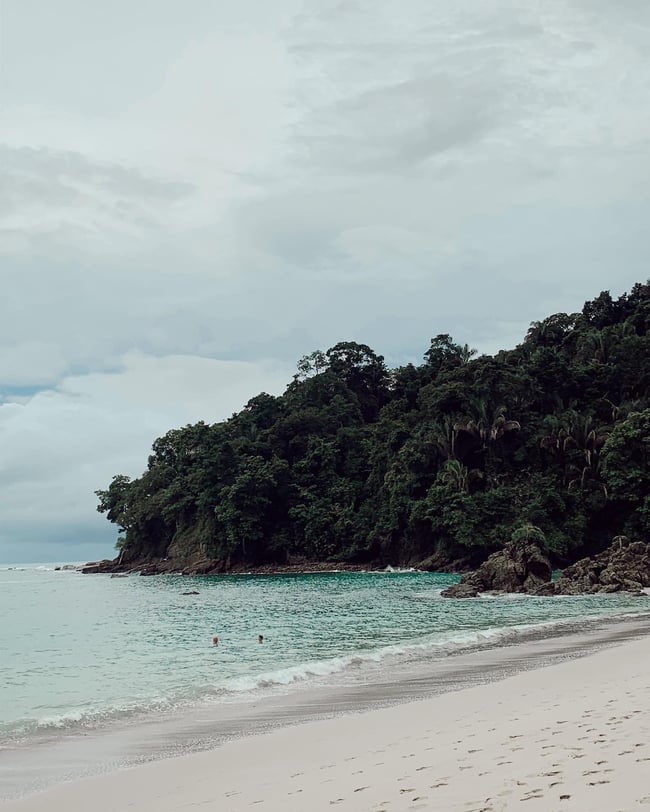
{"x":532,"y":795}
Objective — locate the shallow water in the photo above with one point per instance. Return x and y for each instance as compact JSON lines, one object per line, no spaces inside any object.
{"x":79,"y":652}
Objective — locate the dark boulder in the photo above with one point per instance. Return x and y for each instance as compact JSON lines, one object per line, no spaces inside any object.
{"x":622,"y":567}
{"x":521,"y":566}
{"x":460,"y":590}
{"x":98,"y":566}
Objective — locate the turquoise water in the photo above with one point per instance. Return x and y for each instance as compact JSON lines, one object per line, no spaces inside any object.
{"x":86,"y":650}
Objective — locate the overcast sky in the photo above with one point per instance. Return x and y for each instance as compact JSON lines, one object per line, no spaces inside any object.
{"x":195,"y":194}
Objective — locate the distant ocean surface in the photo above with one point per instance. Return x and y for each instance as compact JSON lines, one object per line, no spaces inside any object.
{"x":89,"y":651}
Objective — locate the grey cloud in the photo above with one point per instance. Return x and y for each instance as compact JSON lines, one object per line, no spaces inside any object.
{"x":395,"y":128}
{"x":59,"y":178}
{"x":632,"y":10}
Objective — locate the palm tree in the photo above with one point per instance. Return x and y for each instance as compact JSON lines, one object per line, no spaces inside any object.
{"x":486,"y":423}
{"x":484,"y":427}
{"x":445,"y":433}
{"x":458,"y":476}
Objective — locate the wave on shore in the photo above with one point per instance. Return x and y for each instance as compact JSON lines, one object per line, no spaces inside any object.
{"x":356,"y":667}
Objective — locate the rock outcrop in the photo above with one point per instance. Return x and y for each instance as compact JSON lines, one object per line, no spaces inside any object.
{"x":622,"y":567}
{"x":217,"y":566}
{"x":522,"y":566}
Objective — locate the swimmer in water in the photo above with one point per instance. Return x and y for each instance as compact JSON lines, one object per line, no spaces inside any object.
{"x":215,"y":640}
{"x":260,"y":638}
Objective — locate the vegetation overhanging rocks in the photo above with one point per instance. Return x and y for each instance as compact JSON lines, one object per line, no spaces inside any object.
{"x":432,"y":465}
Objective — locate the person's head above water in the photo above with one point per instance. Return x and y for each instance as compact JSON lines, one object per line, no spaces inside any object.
{"x":260,"y":638}
{"x":215,"y":640}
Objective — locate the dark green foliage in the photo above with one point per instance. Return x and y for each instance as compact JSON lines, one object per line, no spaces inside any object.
{"x":440,"y":462}
{"x":528,"y":533}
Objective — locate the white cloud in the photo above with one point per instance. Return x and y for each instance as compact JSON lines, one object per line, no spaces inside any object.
{"x":34,"y":362}
{"x":62,"y":444}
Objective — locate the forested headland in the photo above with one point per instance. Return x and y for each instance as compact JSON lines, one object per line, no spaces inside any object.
{"x":433,"y":465}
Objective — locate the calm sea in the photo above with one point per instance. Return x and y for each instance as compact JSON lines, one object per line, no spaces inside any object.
{"x":88,"y":651}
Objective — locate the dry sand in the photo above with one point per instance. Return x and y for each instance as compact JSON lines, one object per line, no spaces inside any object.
{"x":571,"y":736}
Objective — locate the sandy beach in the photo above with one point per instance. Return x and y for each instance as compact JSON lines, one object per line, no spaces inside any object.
{"x":574,"y":735}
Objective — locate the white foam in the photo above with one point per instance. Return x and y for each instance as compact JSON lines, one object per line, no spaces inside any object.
{"x":399,"y":570}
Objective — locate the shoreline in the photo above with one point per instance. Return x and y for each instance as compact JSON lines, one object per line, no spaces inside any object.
{"x":218,"y":568}
{"x":573,"y":735}
{"x":212,"y":728}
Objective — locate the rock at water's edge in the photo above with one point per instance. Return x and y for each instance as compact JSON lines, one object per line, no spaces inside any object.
{"x":521,"y":566}
{"x":622,"y":567}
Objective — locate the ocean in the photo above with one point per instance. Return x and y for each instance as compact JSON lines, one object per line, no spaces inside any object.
{"x":91,"y":654}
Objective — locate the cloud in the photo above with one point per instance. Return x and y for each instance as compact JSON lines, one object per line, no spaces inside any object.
{"x":62,"y":444}
{"x":49,"y":197}
{"x":33,"y":362}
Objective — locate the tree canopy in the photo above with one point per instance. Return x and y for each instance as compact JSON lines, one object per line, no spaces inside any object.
{"x":433,"y":463}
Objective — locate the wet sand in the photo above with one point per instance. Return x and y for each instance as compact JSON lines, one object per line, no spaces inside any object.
{"x":530,"y":722}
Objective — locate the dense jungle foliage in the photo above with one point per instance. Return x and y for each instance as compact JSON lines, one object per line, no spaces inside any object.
{"x":433,"y":463}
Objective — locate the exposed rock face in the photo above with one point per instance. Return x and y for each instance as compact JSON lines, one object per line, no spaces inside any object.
{"x":522,"y":566}
{"x":99,"y":566}
{"x":622,"y":567}
{"x":214,"y":566}
{"x":159,"y":566}
{"x":460,"y":590}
